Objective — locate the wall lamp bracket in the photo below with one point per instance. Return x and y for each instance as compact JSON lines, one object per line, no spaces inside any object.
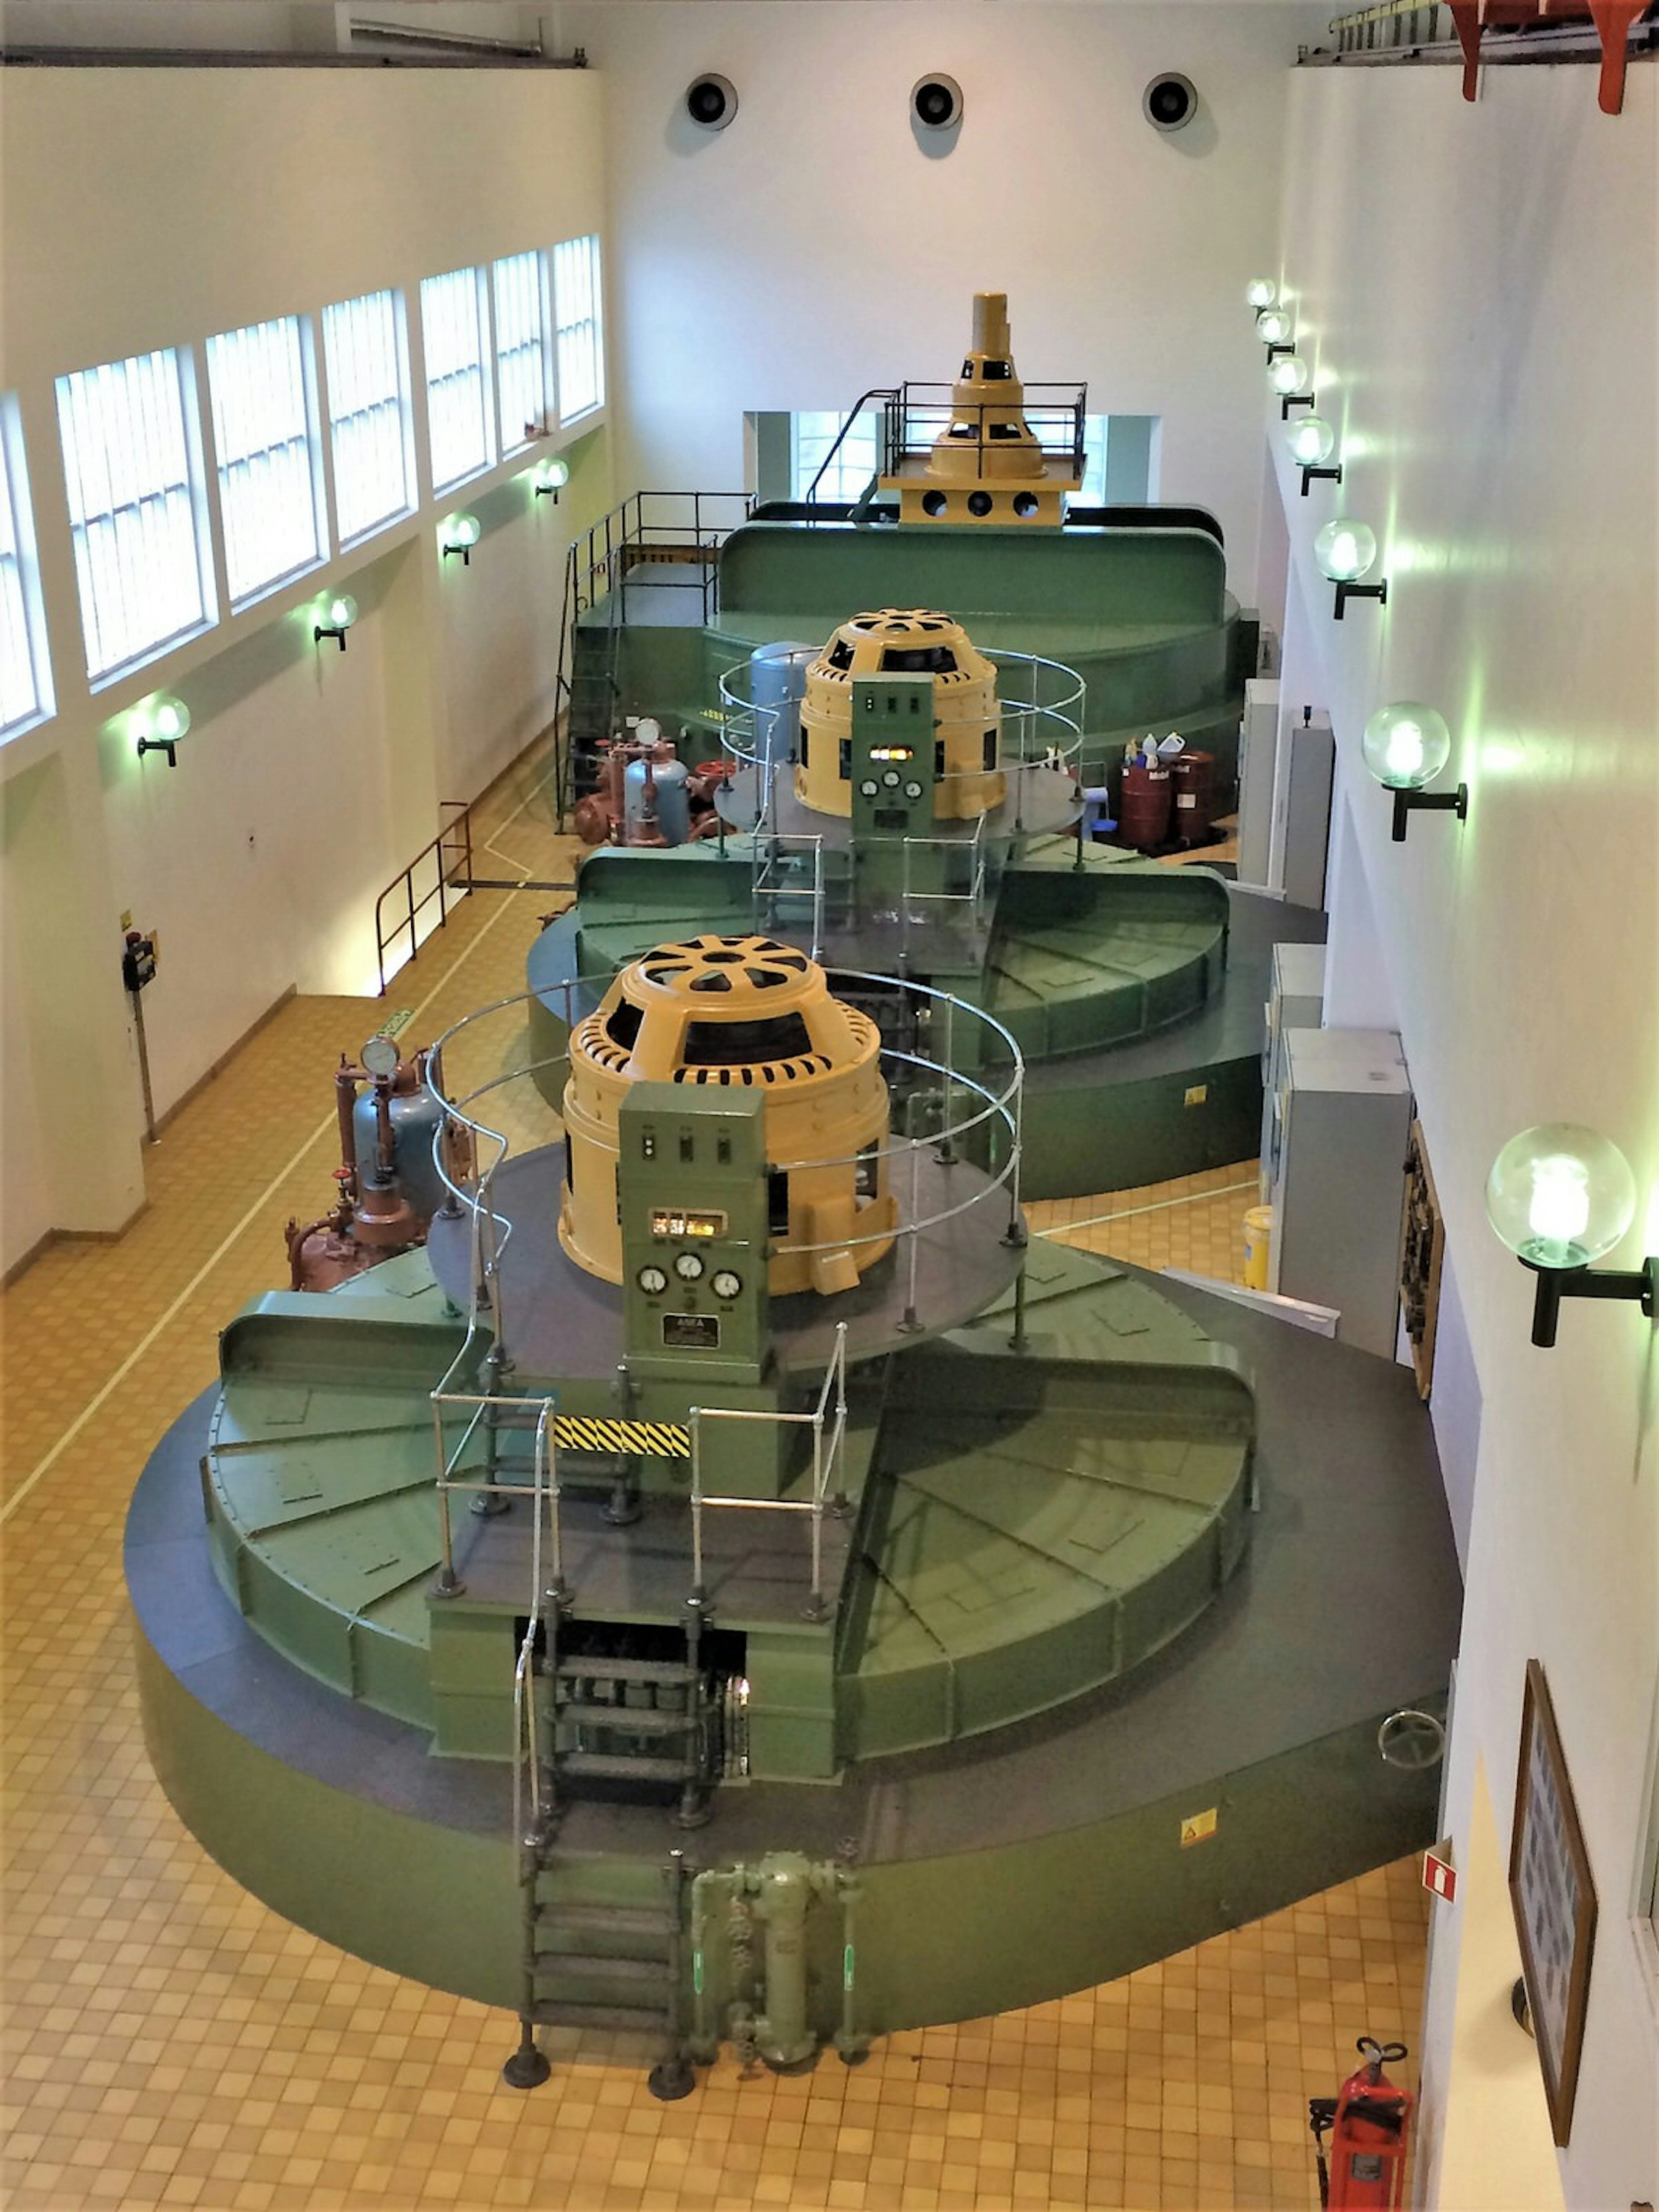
{"x":167,"y":745}
{"x":1294,"y":399}
{"x":1407,"y":802}
{"x":546,"y":491}
{"x":1345,"y":592}
{"x":458,"y":533}
{"x":1308,"y":472}
{"x":1284,"y":345}
{"x":320,"y":631}
{"x":1639,"y":1284}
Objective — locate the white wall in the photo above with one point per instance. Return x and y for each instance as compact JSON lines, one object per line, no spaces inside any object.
{"x":813,"y":249}
{"x":144,"y":208}
{"x":501,"y":636}
{"x":1475,"y":288}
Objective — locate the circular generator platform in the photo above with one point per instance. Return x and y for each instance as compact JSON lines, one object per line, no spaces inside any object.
{"x":1033,"y":1523}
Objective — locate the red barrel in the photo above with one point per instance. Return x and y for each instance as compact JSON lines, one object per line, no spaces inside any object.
{"x":1193,"y":775}
{"x":1143,"y":810}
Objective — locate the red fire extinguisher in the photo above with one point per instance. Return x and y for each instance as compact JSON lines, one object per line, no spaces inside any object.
{"x":1366,"y":2122}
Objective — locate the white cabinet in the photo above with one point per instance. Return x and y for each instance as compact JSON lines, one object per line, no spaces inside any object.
{"x":1343,"y":1108}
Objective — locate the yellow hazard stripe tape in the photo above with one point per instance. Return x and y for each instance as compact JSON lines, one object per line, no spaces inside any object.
{"x":653,"y":1439}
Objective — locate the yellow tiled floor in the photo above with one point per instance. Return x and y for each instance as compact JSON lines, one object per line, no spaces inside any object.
{"x":1196,"y":1222}
{"x":169,"y":2041}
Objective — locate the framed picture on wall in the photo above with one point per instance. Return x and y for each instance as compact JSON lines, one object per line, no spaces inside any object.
{"x":1554,"y":1899}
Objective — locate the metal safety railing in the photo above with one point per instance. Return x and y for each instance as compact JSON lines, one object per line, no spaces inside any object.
{"x":491,"y":1410}
{"x":919,"y":417}
{"x":685,"y":525}
{"x":1000,"y":1113}
{"x":887,"y":395}
{"x":491,"y":1231}
{"x":1394,"y":23}
{"x":772,"y":856}
{"x":828,"y":1422}
{"x":443,"y":870}
{"x":967,"y":859}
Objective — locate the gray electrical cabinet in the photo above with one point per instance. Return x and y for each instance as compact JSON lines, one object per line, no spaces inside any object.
{"x":1258,"y":750}
{"x":1285,"y":772}
{"x":1345,"y":1110}
{"x":1296,"y":1000}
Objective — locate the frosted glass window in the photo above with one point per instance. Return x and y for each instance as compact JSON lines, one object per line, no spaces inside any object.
{"x":524,"y":357}
{"x":460,"y":407}
{"x":264,"y":442}
{"x":134,"y":517}
{"x":367,"y":363}
{"x":578,"y":325}
{"x":812,"y":434}
{"x":24,"y":671}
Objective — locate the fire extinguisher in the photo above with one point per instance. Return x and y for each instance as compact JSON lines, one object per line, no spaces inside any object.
{"x":1366,"y":2122}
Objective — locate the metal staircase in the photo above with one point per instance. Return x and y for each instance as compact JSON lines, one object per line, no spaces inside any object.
{"x":623,"y":1719}
{"x":603,"y":1722}
{"x":598,"y":1964}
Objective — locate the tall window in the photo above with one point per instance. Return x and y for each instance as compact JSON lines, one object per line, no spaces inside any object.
{"x":367,"y":364}
{"x":24,"y":671}
{"x":460,"y":409}
{"x":578,"y":325}
{"x":264,"y":437}
{"x":812,"y":437}
{"x":523,"y":357}
{"x":133,"y":514}
{"x":1120,"y":464}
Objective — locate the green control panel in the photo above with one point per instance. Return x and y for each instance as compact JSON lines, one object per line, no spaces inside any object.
{"x":893,"y":756}
{"x":691,"y":1186}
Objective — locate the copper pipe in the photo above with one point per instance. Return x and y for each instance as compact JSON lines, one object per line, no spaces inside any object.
{"x":345,"y":1099}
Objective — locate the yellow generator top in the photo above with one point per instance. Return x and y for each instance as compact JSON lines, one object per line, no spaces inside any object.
{"x":988,"y":435}
{"x":752,"y":1011}
{"x":723,"y":1010}
{"x":966,"y":719}
{"x":987,"y":465}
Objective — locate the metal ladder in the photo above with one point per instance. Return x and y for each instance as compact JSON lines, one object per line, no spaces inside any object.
{"x":604,"y":1966}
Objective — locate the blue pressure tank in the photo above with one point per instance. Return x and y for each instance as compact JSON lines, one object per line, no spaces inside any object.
{"x":416,"y":1116}
{"x":673,"y":801}
{"x":777,"y":685}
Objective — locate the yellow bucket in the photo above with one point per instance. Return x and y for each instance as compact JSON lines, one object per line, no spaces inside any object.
{"x":1258,"y":1237}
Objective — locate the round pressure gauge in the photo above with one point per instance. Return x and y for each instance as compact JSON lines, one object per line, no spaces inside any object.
{"x":913,"y":789}
{"x":688,"y":1266}
{"x":652,"y":1281}
{"x":725,"y":1285}
{"x":380,"y":1056}
{"x":869,"y":788}
{"x":890,"y":778}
